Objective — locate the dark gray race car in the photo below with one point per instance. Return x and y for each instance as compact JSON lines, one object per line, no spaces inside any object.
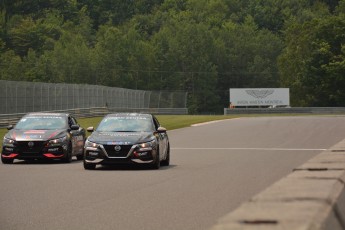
{"x":127,"y":138}
{"x":44,"y":136}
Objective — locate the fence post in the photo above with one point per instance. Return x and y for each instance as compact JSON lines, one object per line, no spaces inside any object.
{"x":159,"y":98}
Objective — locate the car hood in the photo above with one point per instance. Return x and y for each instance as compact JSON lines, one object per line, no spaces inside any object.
{"x":120,"y":138}
{"x":34,"y":135}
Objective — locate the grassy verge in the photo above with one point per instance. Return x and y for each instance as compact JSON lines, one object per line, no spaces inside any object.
{"x":168,"y":121}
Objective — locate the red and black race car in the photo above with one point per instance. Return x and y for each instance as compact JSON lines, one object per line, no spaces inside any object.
{"x":44,"y":136}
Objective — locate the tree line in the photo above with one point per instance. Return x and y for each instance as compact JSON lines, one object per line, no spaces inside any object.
{"x":203,"y":47}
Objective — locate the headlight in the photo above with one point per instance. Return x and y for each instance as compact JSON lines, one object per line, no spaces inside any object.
{"x":8,"y":142}
{"x":147,"y":145}
{"x":91,"y":144}
{"x":57,"y":142}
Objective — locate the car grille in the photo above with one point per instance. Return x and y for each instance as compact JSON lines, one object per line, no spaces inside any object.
{"x":24,"y":148}
{"x":110,"y":149}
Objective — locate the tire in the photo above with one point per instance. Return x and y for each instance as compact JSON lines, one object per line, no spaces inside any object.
{"x":166,"y":161}
{"x":7,"y":161}
{"x":89,"y":166}
{"x":156,"y":163}
{"x":68,"y":157}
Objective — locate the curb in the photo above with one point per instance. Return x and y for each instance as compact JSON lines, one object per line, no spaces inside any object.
{"x":311,"y":197}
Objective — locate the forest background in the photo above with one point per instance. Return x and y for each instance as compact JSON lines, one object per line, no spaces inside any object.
{"x":203,"y":47}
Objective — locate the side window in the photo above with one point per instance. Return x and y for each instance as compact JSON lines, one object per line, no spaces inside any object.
{"x":74,"y":121}
{"x":70,"y":121}
{"x":156,"y":123}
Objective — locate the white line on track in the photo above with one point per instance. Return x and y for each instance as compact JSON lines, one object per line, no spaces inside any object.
{"x":265,"y":149}
{"x":211,"y":122}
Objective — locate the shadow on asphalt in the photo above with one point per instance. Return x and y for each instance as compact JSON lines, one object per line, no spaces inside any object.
{"x":130,"y":167}
{"x":114,"y":167}
{"x":44,"y":162}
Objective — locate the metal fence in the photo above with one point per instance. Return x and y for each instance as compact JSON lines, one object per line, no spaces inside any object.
{"x":12,"y":119}
{"x":23,"y":97}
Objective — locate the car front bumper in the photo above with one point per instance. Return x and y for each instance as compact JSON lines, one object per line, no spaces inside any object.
{"x":40,"y":151}
{"x":131,"y":154}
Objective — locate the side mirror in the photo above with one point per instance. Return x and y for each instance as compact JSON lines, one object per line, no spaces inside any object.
{"x":161,"y":130}
{"x":74,"y":127}
{"x":9,"y":127}
{"x":90,"y":129}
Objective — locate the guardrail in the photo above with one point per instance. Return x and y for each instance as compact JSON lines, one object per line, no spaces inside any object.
{"x":11,"y":119}
{"x":311,"y":197}
{"x":296,"y":110}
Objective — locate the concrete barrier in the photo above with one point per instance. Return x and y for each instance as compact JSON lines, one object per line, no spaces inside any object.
{"x":292,"y":110}
{"x":311,"y":197}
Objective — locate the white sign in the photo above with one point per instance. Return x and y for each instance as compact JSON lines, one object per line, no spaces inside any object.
{"x":260,"y":97}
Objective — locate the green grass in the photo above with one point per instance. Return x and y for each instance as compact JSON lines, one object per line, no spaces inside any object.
{"x":87,"y":122}
{"x":168,"y":121}
{"x":2,"y":134}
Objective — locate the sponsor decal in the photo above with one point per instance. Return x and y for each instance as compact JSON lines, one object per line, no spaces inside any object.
{"x":93,"y":154}
{"x":53,"y":150}
{"x":120,"y":134}
{"x":32,"y":137}
{"x":119,"y":143}
{"x":259,"y":93}
{"x":44,"y":116}
{"x":35,"y":132}
{"x":142,"y":154}
{"x":126,"y":118}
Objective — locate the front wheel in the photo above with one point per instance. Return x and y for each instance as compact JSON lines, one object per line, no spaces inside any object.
{"x":6,"y":161}
{"x":156,"y":163}
{"x":68,"y":157}
{"x":166,"y":161}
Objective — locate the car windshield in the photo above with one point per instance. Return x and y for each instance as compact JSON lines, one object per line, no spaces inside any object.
{"x":125,"y":124}
{"x":42,"y":123}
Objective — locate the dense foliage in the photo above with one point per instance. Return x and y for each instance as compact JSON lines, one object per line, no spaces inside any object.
{"x":204,"y":47}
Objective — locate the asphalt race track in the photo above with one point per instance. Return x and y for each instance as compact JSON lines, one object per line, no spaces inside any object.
{"x":214,"y":168}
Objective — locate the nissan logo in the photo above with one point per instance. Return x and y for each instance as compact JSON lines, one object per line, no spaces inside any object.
{"x":31,"y":144}
{"x":117,"y":148}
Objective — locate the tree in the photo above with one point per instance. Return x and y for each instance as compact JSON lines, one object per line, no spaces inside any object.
{"x":312,"y":64}
{"x":25,"y":33}
{"x":183,"y":51}
{"x":11,"y":66}
{"x":245,"y":57}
